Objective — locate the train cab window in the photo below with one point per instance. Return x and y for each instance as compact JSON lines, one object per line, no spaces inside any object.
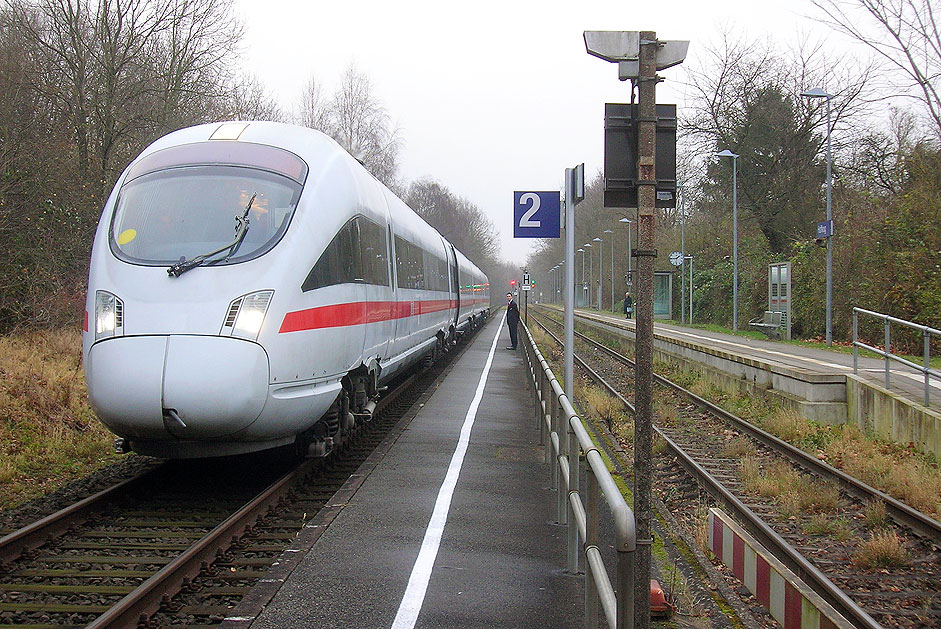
{"x":183,"y":212}
{"x":340,"y":262}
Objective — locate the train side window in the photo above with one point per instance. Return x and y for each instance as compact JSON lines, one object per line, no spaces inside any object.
{"x":373,"y":244}
{"x":340,"y":262}
{"x":401,"y":262}
{"x":433,"y":266}
{"x":416,"y":260}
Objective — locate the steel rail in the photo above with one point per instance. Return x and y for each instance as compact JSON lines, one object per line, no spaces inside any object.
{"x":920,"y":523}
{"x":41,"y":531}
{"x":147,"y":598}
{"x":753,"y":523}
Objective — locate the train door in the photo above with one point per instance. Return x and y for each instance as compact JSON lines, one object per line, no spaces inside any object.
{"x":379,"y":308}
{"x":455,"y":286}
{"x":395,"y":346}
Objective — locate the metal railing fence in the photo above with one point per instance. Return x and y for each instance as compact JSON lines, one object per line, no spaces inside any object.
{"x":567,"y":438}
{"x":927,"y":333}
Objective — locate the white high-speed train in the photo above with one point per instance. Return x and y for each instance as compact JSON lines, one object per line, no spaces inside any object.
{"x":252,"y":286}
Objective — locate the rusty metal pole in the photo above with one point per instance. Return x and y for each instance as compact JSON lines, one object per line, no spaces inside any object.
{"x":643,"y":378}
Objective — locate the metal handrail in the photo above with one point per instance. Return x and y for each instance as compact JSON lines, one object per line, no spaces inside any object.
{"x":565,"y":438}
{"x":927,"y":333}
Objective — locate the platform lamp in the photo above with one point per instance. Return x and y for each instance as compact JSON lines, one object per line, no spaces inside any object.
{"x":628,"y":221}
{"x":600,"y":281}
{"x":591,"y":273}
{"x":734,"y":156}
{"x":582,"y":251}
{"x":820,"y":93}
{"x":608,"y":231}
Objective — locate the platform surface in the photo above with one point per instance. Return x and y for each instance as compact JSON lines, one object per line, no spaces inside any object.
{"x":500,"y":561}
{"x":904,"y":381}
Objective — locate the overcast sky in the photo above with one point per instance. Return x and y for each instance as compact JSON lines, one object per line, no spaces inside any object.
{"x":491,"y":96}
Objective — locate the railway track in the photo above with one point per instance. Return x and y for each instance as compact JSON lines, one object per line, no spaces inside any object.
{"x":704,"y":442}
{"x":184,"y":543}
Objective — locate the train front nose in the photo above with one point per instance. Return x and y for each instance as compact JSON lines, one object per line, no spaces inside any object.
{"x":177,"y":386}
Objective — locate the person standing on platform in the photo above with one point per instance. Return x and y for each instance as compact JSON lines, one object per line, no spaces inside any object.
{"x":512,"y":318}
{"x":628,"y":305}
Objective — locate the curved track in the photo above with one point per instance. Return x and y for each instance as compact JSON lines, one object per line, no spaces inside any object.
{"x":697,"y":435}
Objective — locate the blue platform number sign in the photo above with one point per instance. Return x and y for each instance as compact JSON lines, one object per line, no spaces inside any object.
{"x":536,"y":214}
{"x":824,"y":229}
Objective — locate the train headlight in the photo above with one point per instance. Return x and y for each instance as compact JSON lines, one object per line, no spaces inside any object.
{"x":246,"y":315}
{"x":109,"y":315}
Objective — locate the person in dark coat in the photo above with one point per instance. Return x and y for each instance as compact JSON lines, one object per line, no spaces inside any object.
{"x":628,"y":305}
{"x":512,"y":318}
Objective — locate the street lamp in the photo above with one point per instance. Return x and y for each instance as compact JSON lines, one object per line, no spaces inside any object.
{"x":608,"y":231}
{"x":600,"y":281}
{"x":591,"y":275}
{"x":819,"y":93}
{"x":734,"y":156}
{"x":582,"y":251}
{"x":682,"y":190}
{"x":628,"y":221}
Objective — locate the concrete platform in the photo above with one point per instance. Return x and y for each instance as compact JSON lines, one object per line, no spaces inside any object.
{"x":500,"y":559}
{"x":818,"y":384}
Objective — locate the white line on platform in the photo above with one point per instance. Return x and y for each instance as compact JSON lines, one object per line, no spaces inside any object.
{"x":414,"y":595}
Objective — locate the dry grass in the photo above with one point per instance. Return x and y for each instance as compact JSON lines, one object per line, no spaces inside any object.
{"x":738,"y":448}
{"x":604,"y":406}
{"x":666,"y":411}
{"x":884,"y":549}
{"x":795,"y":494}
{"x":823,"y":524}
{"x":874,"y":514}
{"x":903,"y":472}
{"x":700,"y":530}
{"x":899,"y":472}
{"x":787,"y":425}
{"x":48,"y":433}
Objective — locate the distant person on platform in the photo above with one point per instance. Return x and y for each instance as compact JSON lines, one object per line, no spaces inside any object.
{"x":512,"y":318}
{"x":628,"y":305}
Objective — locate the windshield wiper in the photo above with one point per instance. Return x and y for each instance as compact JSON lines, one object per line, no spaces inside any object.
{"x":241,"y":228}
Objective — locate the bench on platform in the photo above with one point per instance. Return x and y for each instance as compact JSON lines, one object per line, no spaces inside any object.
{"x":771,"y":323}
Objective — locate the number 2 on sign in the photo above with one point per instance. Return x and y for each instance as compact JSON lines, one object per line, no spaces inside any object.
{"x":525,"y":219}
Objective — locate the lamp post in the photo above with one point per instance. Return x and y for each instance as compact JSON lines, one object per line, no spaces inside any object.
{"x":820,"y":93}
{"x":628,"y":221}
{"x":591,"y":275}
{"x":600,"y":281}
{"x":582,"y":251}
{"x":682,"y":190}
{"x":608,"y":231}
{"x":734,"y":156}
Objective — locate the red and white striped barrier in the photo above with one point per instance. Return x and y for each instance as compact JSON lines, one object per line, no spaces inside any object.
{"x":786,"y":597}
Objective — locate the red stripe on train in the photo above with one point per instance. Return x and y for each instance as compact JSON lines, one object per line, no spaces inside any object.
{"x":358,"y":313}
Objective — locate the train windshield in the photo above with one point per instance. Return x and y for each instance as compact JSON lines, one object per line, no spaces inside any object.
{"x":180,"y":213}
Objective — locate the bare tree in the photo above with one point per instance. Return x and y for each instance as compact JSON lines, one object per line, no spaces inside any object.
{"x":193,"y":61}
{"x":458,"y":220}
{"x":747,"y":98}
{"x":904,"y":34}
{"x":124,"y":71}
{"x":315,"y":106}
{"x":246,"y":99}
{"x":356,"y":119}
